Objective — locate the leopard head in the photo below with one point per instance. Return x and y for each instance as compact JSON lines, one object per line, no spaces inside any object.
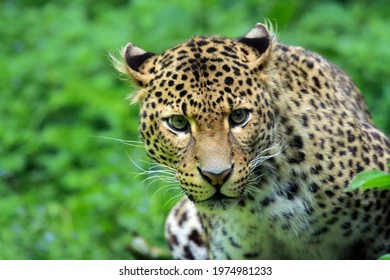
{"x":206,"y":111}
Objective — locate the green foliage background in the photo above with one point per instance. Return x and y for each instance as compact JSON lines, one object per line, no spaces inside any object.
{"x":66,"y":192}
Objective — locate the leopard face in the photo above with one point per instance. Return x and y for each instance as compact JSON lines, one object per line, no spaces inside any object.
{"x":206,"y":112}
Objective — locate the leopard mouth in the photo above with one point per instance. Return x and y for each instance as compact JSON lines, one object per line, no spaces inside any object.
{"x":218,"y":196}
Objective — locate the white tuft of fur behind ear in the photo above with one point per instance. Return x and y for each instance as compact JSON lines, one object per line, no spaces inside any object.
{"x":123,"y":61}
{"x":118,"y":63}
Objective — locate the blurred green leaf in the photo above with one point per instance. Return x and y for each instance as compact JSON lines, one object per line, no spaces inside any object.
{"x":370,"y":179}
{"x":385,"y":257}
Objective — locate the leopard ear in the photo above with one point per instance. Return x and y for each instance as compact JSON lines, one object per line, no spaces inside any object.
{"x":136,"y":61}
{"x":259,"y":39}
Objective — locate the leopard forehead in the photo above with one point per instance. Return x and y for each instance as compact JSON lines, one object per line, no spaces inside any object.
{"x":204,"y":74}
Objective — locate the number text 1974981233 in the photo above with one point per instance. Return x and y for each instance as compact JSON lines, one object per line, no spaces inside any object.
{"x":242,"y":270}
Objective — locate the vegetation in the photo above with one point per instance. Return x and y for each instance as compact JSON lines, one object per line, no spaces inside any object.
{"x":385,"y":257}
{"x":371,"y":179}
{"x":68,"y":190}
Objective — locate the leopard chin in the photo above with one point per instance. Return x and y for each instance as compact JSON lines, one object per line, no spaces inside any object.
{"x":216,"y":205}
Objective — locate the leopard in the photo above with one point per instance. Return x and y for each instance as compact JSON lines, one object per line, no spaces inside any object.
{"x":263,"y":139}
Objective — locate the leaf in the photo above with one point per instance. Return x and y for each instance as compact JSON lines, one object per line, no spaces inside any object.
{"x":370,"y":179}
{"x":385,"y":257}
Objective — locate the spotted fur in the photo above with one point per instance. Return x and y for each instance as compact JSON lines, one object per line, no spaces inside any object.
{"x":270,"y":185}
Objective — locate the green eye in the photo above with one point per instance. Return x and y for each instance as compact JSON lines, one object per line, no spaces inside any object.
{"x":238,"y":117}
{"x":178,"y":123}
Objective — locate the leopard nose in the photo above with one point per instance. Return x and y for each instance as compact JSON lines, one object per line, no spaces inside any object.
{"x":216,"y":179}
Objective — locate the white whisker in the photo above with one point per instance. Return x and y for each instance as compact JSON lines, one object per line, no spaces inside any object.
{"x":165,"y":188}
{"x":154,"y":173}
{"x":262,"y":156}
{"x":131,"y":143}
{"x":255,"y":180}
{"x":173,"y":199}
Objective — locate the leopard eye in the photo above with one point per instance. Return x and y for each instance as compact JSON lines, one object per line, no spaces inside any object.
{"x":178,"y":123}
{"x":239,"y":117}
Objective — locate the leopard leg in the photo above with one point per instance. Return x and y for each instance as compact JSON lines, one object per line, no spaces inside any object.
{"x":184,"y":232}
